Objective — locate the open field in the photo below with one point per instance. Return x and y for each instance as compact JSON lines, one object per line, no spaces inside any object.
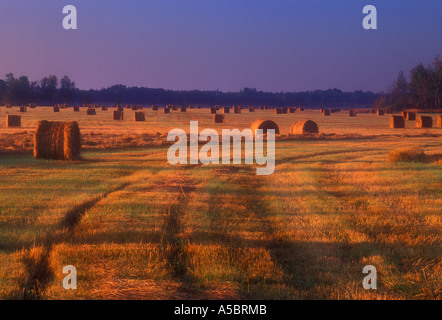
{"x":136,"y":227}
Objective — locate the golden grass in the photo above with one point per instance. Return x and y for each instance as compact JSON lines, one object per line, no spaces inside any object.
{"x":410,"y":154}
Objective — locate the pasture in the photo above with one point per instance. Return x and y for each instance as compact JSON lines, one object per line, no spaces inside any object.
{"x":136,"y":227}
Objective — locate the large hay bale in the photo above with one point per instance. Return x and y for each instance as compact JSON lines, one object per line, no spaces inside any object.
{"x":264,"y":125}
{"x":118,"y":115}
{"x":13,"y":120}
{"x":304,"y":127}
{"x":411,"y":116}
{"x":424,"y":122}
{"x":218,"y":118}
{"x":139,"y":116}
{"x":439,"y":121}
{"x":56,"y":140}
{"x":397,"y":122}
{"x":91,"y":112}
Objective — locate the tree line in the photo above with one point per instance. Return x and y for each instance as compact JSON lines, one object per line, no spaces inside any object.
{"x":423,"y":90}
{"x":50,"y":90}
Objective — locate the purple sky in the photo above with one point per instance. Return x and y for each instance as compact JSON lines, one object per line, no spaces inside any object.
{"x":271,"y":45}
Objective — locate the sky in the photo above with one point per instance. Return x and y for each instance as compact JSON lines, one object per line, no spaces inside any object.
{"x":270,"y":45}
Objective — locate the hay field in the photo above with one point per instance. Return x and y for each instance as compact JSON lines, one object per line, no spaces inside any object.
{"x":136,"y":227}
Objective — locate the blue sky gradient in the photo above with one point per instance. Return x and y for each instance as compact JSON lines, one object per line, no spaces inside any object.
{"x":271,"y":45}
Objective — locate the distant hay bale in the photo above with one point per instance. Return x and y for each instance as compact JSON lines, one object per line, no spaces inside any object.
{"x":439,"y":121}
{"x":91,"y":112}
{"x":56,"y":109}
{"x":411,"y":116}
{"x":379,"y":112}
{"x":13,"y":121}
{"x":54,"y":140}
{"x":397,"y":122}
{"x":352,"y":113}
{"x":213,"y":110}
{"x":226,"y":110}
{"x":411,"y":154}
{"x":218,"y":118}
{"x":304,"y":127}
{"x":118,"y":115}
{"x":139,"y":116}
{"x":264,"y":125}
{"x":424,"y":122}
{"x":23,"y":109}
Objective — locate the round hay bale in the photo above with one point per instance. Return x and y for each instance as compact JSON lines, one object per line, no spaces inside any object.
{"x":218,"y":118}
{"x":264,"y":125}
{"x":139,"y":116}
{"x":13,"y":120}
{"x":55,"y":140}
{"x":118,"y":115}
{"x":397,"y":122}
{"x":304,"y":127}
{"x":424,"y":122}
{"x":439,"y":121}
{"x":411,"y":116}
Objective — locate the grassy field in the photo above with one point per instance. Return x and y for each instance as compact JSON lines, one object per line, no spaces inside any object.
{"x":136,"y":227}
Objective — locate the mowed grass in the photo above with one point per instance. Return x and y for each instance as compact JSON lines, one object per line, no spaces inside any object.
{"x":221,"y":232}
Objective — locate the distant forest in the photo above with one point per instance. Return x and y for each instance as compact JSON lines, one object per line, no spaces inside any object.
{"x":51,"y":90}
{"x":423,"y":90}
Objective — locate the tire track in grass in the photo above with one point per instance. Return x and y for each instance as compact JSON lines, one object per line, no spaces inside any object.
{"x":38,"y":272}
